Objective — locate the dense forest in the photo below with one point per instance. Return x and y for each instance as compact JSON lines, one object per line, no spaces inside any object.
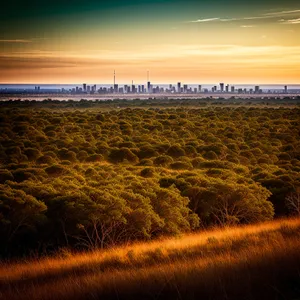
{"x":93,"y":178}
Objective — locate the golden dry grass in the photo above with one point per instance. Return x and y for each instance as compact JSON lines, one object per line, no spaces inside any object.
{"x":251,"y":262}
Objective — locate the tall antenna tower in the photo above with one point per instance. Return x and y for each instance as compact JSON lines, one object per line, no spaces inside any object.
{"x":114,"y":77}
{"x":147,"y":76}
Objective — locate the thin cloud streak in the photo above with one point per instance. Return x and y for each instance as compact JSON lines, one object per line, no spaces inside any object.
{"x":292,"y":21}
{"x":261,"y":17}
{"x":205,"y":20}
{"x":163,"y":53}
{"x":283,"y":12}
{"x":16,"y":41}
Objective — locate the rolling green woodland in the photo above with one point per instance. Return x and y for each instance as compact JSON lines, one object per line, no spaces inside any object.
{"x":88,"y":178}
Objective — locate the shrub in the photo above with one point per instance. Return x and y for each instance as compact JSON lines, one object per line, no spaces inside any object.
{"x":55,"y":170}
{"x":5,"y":175}
{"x":146,"y":152}
{"x":121,"y":155}
{"x":45,"y":159}
{"x":146,"y":162}
{"x":175,"y":151}
{"x":210,"y":155}
{"x":22,"y":175}
{"x":32,"y":153}
{"x":147,"y":172}
{"x":65,"y":154}
{"x":162,"y":160}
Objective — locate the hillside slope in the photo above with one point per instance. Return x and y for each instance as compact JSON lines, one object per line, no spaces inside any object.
{"x":251,"y":262}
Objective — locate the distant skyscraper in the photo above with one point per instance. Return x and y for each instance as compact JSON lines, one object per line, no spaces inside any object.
{"x":116,"y":88}
{"x":179,"y":87}
{"x":222,"y":87}
{"x":256,"y":89}
{"x":84,"y":87}
{"x":185,"y":88}
{"x":199,"y":88}
{"x":285,"y":89}
{"x":227,"y":88}
{"x":232,"y":89}
{"x":149,"y":87}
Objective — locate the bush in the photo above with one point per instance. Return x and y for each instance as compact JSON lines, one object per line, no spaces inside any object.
{"x":162,"y":160}
{"x":146,"y":162}
{"x":5,"y":175}
{"x":121,"y":155}
{"x":175,"y":151}
{"x":32,"y":153}
{"x":45,"y":159}
{"x":210,"y":155}
{"x":147,"y":172}
{"x":55,"y":170}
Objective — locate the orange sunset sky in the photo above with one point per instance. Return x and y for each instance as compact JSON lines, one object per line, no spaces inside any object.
{"x":191,"y":41}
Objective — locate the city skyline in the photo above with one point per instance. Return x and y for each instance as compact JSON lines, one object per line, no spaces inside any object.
{"x":150,"y":88}
{"x":206,"y":42}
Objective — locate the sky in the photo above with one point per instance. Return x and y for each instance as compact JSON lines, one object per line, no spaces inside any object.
{"x":191,"y":41}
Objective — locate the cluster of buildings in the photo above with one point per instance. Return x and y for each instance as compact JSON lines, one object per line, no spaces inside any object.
{"x":170,"y":89}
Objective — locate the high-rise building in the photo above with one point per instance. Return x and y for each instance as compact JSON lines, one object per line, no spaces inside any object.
{"x":116,"y":88}
{"x":84,"y":87}
{"x":199,"y":88}
{"x":285,"y":89}
{"x":179,"y":87}
{"x":149,"y":89}
{"x":227,"y":88}
{"x":222,"y":87}
{"x":232,"y":89}
{"x":256,"y":89}
{"x":185,"y":88}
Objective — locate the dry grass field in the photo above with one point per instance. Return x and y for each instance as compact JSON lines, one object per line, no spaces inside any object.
{"x":259,"y":261}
